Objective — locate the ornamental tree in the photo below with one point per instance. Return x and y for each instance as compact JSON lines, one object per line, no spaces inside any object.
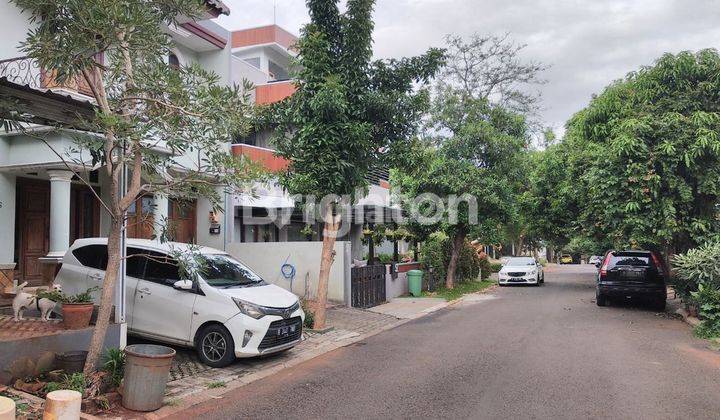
{"x":348,"y":115}
{"x":645,"y":155}
{"x":149,"y":117}
{"x":471,"y":171}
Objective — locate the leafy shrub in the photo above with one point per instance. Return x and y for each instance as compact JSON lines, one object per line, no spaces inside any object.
{"x":114,"y":364}
{"x":309,"y":315}
{"x":699,"y":265}
{"x":435,"y":254}
{"x":385,"y":258}
{"x":60,"y":297}
{"x":542,"y":261}
{"x":697,"y":281}
{"x":708,"y":301}
{"x":495,"y":267}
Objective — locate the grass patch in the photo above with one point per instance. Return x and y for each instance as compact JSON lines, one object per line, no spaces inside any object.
{"x":216,"y":384}
{"x":460,"y":289}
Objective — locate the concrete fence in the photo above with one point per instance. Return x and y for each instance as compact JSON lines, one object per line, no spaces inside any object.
{"x":267,"y":259}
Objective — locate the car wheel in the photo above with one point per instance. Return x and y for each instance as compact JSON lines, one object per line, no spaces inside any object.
{"x":600,"y":299}
{"x":659,"y":305}
{"x":215,"y":346}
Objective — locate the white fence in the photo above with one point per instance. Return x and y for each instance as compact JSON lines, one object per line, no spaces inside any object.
{"x":267,"y":259}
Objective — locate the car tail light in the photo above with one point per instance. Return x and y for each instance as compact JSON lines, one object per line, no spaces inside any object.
{"x":604,"y":267}
{"x":658,"y":264}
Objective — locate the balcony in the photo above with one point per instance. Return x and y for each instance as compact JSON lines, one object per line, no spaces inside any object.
{"x":25,"y":71}
{"x":262,"y":156}
{"x":272,"y":34}
{"x":273,"y":92}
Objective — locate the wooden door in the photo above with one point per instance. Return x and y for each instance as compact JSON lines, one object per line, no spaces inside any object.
{"x":140,"y":218}
{"x":183,"y":221}
{"x":84,"y":213}
{"x":32,"y":228}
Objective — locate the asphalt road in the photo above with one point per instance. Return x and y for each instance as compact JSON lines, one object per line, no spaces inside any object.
{"x":546,"y":352}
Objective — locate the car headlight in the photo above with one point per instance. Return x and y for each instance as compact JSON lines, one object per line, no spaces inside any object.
{"x":533,"y":271}
{"x":249,"y":309}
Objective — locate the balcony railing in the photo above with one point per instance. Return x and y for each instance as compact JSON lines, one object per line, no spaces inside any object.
{"x":274,"y":92}
{"x":262,"y":156}
{"x":27,"y":71}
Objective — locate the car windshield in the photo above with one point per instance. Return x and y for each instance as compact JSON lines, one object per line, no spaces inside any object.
{"x":520,"y":262}
{"x":224,"y":271}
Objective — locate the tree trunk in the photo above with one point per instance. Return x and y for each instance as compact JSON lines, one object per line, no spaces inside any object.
{"x":326,"y":261}
{"x":106,"y":298}
{"x":457,"y":245}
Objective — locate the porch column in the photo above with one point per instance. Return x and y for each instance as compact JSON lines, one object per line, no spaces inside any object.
{"x":59,"y":212}
{"x":160,"y":213}
{"x":7,"y":230}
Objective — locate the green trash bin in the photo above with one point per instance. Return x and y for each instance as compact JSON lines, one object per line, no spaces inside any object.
{"x":415,"y":282}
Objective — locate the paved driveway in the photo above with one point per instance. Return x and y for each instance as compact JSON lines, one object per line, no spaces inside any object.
{"x":546,"y":352}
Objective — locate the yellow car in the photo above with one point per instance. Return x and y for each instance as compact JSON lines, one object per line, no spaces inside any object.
{"x":566,"y":259}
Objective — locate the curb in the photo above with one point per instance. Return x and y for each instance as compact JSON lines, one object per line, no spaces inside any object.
{"x":690,"y":320}
{"x":213,"y":394}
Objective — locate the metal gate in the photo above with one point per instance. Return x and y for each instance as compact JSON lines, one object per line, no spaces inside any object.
{"x":367,"y":286}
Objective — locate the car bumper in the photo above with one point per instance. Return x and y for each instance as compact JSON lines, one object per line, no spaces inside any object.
{"x":529,"y":279}
{"x":632,"y":291}
{"x":259,"y":328}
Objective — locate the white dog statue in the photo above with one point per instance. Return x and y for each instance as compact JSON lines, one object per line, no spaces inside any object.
{"x":24,"y":300}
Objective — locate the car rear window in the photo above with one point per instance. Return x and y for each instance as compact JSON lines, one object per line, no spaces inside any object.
{"x":630,"y":260}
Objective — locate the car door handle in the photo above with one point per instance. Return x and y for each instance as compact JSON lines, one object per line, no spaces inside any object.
{"x":145,"y":291}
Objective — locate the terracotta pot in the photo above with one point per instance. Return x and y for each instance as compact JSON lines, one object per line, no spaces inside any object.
{"x":77,"y":315}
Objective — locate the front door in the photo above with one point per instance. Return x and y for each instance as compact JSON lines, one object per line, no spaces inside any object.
{"x":160,"y":310}
{"x":182,"y":215}
{"x":32,"y":228}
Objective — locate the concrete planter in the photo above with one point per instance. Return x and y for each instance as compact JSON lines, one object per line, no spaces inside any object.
{"x":76,"y":315}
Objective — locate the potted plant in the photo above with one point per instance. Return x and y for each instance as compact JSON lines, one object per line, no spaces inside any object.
{"x":76,"y":309}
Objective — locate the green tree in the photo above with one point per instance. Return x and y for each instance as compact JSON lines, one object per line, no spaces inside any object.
{"x":478,"y":148}
{"x":143,"y":107}
{"x":645,"y":155}
{"x":549,"y":204}
{"x":348,"y":115}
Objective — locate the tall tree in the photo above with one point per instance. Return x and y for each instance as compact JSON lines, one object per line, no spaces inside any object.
{"x":645,"y":155}
{"x":346,"y":115}
{"x":491,"y":67}
{"x":144,"y":108}
{"x":471,"y":171}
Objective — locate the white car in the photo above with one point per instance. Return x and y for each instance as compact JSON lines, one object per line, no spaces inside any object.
{"x":595,"y":259}
{"x":521,"y":270}
{"x":228,"y":312}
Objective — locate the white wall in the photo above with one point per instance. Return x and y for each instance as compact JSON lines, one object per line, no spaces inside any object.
{"x":14,"y":26}
{"x":7,"y":218}
{"x":266,"y":258}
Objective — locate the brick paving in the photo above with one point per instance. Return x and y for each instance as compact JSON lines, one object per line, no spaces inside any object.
{"x":28,"y":328}
{"x":188,"y":376}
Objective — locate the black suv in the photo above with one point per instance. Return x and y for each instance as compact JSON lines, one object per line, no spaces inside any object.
{"x":631,"y":274}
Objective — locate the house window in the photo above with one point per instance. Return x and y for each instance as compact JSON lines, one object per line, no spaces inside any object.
{"x":253,"y":61}
{"x":173,"y":61}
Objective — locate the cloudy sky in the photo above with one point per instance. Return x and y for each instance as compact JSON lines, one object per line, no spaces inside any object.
{"x":587,"y":43}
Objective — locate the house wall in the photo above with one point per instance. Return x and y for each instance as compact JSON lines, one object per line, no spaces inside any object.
{"x":267,"y":258}
{"x":25,"y":356}
{"x":14,"y":26}
{"x":7,"y":217}
{"x":395,"y":287}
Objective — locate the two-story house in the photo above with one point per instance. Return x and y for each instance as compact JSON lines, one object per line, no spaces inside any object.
{"x":43,"y":206}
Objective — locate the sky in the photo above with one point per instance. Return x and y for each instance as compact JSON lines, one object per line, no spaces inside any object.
{"x":586,"y":44}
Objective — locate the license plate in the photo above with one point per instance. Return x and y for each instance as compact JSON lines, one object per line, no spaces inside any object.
{"x":517,"y":279}
{"x":285,"y":331}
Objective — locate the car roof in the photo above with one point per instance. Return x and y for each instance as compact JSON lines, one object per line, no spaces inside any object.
{"x":152,"y":245}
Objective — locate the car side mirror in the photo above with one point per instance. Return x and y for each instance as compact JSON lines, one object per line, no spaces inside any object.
{"x":183,"y":285}
{"x":597,"y":264}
